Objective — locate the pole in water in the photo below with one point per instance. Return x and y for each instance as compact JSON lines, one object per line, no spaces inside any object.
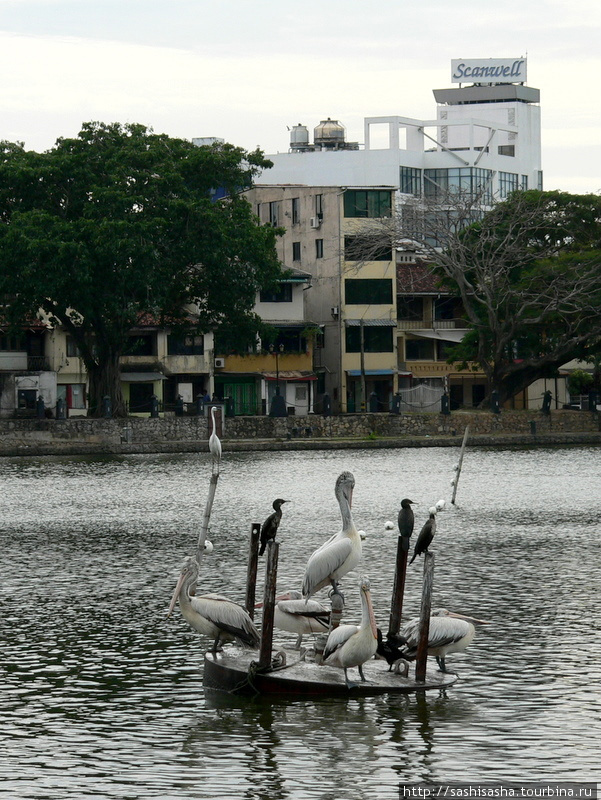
{"x":398,"y":590}
{"x":424,"y":618}
{"x":251,"y":572}
{"x":271,"y":574}
{"x":206,"y":517}
{"x":459,"y":463}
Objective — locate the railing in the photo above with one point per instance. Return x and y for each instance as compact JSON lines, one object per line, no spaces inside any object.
{"x":428,"y":324}
{"x":38,"y":364}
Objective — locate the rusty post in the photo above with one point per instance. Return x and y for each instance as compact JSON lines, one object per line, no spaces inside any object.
{"x":398,"y":590}
{"x":466,"y":433}
{"x":271,"y":573}
{"x":251,"y":573}
{"x":424,"y":618}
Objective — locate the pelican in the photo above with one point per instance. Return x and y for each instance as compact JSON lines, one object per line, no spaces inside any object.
{"x":212,"y":614}
{"x":295,"y":615}
{"x":342,"y":552}
{"x":424,"y":540}
{"x":214,"y":442}
{"x":353,"y":645}
{"x":406,"y":518}
{"x":440,"y":505}
{"x":448,"y":633}
{"x":270,"y":527}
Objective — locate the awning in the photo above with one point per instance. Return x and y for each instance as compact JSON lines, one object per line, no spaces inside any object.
{"x":289,"y":375}
{"x":355,"y":373}
{"x":441,"y":335}
{"x":368,"y":323}
{"x":142,"y":377}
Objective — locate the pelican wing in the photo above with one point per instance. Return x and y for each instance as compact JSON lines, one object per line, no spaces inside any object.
{"x":337,"y":638}
{"x":446,"y":630}
{"x":324,"y":562}
{"x":227,"y":616}
{"x":304,"y":608}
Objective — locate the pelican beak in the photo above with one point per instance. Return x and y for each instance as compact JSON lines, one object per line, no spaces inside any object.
{"x":178,"y":589}
{"x":473,"y":620}
{"x":372,"y":618}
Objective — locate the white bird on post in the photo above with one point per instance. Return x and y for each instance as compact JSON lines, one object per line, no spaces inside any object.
{"x":214,"y":443}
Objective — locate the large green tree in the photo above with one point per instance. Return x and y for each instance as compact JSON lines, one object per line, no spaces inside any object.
{"x":119,"y":223}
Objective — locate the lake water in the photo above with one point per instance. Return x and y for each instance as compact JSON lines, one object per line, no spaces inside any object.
{"x":102,"y":696}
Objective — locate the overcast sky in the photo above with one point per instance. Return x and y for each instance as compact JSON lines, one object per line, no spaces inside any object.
{"x":244,"y":71}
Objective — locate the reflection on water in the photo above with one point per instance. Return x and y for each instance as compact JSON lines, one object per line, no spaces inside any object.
{"x":102,"y":696}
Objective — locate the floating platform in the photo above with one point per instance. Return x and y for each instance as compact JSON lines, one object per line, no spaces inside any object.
{"x":235,"y":671}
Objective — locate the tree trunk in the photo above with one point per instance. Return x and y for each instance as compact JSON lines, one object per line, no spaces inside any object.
{"x":105,"y":381}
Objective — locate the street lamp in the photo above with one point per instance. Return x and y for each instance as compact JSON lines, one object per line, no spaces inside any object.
{"x":278,"y":403}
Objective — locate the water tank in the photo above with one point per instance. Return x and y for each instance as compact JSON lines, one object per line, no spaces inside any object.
{"x":299,"y":136}
{"x":329,"y":133}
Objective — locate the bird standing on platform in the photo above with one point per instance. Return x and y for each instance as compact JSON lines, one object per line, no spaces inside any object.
{"x":270,"y":527}
{"x":391,"y":648}
{"x":406,"y":519}
{"x":212,"y":614}
{"x":342,"y":552}
{"x":424,"y":540}
{"x":214,"y":443}
{"x":295,"y":615}
{"x":353,"y":645}
{"x":448,"y":633}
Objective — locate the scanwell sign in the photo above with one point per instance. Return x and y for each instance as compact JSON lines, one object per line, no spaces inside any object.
{"x":488,"y":70}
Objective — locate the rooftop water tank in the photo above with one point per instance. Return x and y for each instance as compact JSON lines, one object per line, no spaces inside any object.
{"x":299,"y":136}
{"x":329,"y":133}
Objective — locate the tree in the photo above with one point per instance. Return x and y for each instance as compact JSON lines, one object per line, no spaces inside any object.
{"x":528,"y":272}
{"x":119,"y":223}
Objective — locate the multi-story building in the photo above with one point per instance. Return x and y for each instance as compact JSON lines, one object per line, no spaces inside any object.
{"x":484,"y":143}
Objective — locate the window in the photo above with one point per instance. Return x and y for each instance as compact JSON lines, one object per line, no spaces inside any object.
{"x":274,"y":215}
{"x":366,"y":248}
{"x":471,"y":181}
{"x":539,"y":182}
{"x":295,"y":210}
{"x":524,"y":183}
{"x":296,"y":251}
{"x":508,"y":182}
{"x":410,"y":181}
{"x":11,"y":343}
{"x":319,"y":248}
{"x":319,"y":206}
{"x":444,"y":308}
{"x":141,"y":345}
{"x":367,"y":203}
{"x":74,"y":394}
{"x":192,"y":345}
{"x":506,"y":150}
{"x":366,"y":291}
{"x":419,"y":350}
{"x":376,"y":339}
{"x":410,"y":308}
{"x":283,"y":294}
{"x":72,"y":348}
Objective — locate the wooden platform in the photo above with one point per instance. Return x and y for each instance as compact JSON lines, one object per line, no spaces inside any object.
{"x":234,"y":671}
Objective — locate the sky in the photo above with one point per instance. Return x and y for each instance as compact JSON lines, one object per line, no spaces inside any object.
{"x":247,"y":71}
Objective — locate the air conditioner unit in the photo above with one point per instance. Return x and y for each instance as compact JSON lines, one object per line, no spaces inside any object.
{"x":219,"y":363}
{"x":315,"y":222}
{"x":335,"y":311}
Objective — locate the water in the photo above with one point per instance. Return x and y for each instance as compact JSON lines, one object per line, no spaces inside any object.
{"x":102,"y":696}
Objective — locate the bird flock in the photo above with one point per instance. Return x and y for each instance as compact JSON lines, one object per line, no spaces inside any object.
{"x":347,"y":645}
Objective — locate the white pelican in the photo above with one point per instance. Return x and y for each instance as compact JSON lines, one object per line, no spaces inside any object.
{"x":448,"y":633}
{"x":270,"y":527}
{"x":440,"y":505}
{"x":424,"y":540}
{"x":342,"y":552}
{"x":214,"y":442}
{"x":353,"y":645}
{"x":295,"y":615}
{"x":406,"y":519}
{"x":212,"y":614}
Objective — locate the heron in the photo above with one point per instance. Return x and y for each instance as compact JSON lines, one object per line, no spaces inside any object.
{"x":212,"y":614}
{"x":342,"y":552}
{"x":424,"y":540}
{"x":353,"y":645}
{"x":448,"y":633}
{"x":406,"y":519}
{"x":270,"y":527}
{"x":295,"y":615}
{"x":214,"y":442}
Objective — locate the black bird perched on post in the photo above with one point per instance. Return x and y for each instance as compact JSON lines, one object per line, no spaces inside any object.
{"x":390,"y":650}
{"x":406,"y":518}
{"x":270,"y":527}
{"x":424,"y":540}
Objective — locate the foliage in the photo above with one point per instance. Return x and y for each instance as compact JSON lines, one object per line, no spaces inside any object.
{"x":121,"y":223}
{"x":579,"y":381}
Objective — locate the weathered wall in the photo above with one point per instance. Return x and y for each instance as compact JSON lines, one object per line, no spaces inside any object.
{"x":171,"y":429}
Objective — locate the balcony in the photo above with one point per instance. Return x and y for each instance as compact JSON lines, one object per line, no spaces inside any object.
{"x":38,"y":364}
{"x":429,"y":324}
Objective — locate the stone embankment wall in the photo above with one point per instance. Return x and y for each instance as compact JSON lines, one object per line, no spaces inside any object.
{"x":137,"y":434}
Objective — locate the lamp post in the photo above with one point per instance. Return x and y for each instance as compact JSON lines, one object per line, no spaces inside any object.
{"x":278,"y":403}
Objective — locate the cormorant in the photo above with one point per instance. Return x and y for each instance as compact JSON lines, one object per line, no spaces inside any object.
{"x":270,"y":527}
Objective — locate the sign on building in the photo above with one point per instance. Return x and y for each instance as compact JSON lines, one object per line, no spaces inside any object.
{"x":488,"y":70}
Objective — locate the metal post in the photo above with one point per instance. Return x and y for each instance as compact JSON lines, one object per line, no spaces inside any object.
{"x":251,"y":573}
{"x":269,"y":604}
{"x":424,"y":618}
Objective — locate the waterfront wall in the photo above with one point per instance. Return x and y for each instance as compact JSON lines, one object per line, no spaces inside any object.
{"x":137,"y":434}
